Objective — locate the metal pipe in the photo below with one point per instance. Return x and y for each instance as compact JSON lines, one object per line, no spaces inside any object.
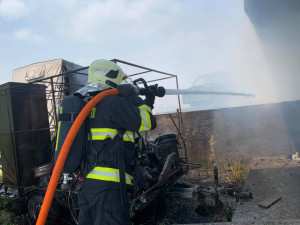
{"x":180,"y":136}
{"x":190,"y":164}
{"x":142,"y":67}
{"x":158,"y":79}
{"x":53,"y":102}
{"x":179,"y":121}
{"x":180,"y":113}
{"x":85,"y":74}
{"x":158,"y":183}
{"x":135,"y":74}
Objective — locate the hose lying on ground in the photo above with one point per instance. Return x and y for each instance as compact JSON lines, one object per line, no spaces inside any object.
{"x":65,"y":150}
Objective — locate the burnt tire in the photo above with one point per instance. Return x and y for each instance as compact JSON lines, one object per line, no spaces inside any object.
{"x":34,"y":205}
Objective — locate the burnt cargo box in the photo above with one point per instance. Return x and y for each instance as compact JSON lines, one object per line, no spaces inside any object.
{"x":24,"y":132}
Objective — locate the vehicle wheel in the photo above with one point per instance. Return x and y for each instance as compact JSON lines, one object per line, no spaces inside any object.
{"x":35,"y":204}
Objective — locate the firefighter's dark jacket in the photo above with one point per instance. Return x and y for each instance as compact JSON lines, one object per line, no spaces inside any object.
{"x":115,"y":113}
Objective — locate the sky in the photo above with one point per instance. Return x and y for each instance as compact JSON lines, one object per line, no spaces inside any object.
{"x":187,"y":38}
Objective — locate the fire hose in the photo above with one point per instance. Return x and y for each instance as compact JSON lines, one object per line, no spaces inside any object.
{"x":64,"y":153}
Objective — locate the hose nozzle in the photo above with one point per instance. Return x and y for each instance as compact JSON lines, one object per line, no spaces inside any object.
{"x":158,"y":91}
{"x":149,"y":90}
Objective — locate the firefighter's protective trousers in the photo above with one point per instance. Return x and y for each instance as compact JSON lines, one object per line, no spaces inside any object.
{"x":99,"y":200}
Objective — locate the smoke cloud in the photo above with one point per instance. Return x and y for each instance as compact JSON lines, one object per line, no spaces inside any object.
{"x":260,"y":57}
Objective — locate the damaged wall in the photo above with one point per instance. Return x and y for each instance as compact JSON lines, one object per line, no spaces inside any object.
{"x":252,"y":131}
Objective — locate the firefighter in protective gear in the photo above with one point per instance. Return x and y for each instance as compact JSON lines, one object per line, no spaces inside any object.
{"x":116,"y":117}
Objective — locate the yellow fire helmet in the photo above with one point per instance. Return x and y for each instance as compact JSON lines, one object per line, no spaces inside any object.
{"x":106,"y":73}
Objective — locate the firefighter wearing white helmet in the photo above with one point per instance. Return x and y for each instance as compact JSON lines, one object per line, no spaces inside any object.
{"x":111,"y":146}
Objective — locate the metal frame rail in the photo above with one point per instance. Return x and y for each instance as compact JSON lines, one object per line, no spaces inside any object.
{"x":56,"y":88}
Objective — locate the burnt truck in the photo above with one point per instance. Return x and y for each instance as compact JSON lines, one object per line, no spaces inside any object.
{"x":29,"y":119}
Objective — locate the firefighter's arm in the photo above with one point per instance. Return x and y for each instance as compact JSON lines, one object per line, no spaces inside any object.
{"x":133,"y":114}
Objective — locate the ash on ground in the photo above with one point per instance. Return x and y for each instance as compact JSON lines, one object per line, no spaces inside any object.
{"x":195,"y":198}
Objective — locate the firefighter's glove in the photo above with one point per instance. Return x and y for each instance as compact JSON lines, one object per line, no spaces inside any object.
{"x":149,"y":100}
{"x":126,"y":90}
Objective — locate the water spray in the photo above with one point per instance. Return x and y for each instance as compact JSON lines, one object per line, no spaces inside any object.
{"x":161,"y":91}
{"x":189,"y":91}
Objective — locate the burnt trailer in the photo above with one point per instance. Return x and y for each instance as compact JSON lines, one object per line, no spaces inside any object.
{"x":27,"y":145}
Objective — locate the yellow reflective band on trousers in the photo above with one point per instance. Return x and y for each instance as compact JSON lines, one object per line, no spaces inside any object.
{"x":100,"y":134}
{"x":58,"y":130}
{"x":145,"y":117}
{"x":108,"y":174}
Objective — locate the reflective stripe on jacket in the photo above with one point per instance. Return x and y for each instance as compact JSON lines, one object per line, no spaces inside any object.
{"x":115,"y":113}
{"x":108,"y":174}
{"x":101,"y":134}
{"x":145,"y":112}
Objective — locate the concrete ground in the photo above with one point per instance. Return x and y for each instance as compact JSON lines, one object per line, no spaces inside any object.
{"x":269,"y":176}
{"x":265,"y":182}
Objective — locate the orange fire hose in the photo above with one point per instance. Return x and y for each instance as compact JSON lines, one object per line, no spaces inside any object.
{"x":65,"y":150}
